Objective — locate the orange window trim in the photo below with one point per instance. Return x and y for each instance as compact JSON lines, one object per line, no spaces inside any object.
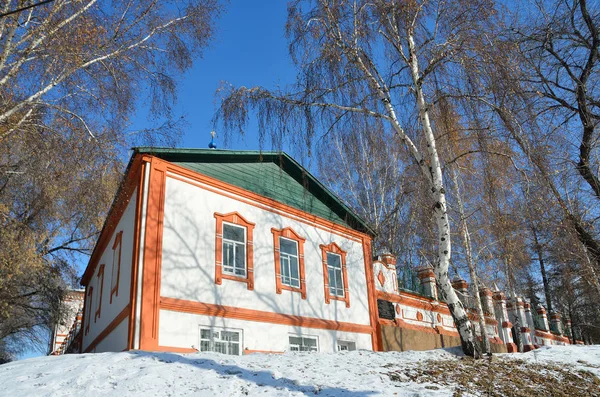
{"x":335,"y":249}
{"x":101,"y":283}
{"x":207,"y":309}
{"x":236,"y":219}
{"x":114,"y":290}
{"x":290,"y":234}
{"x":89,"y":309}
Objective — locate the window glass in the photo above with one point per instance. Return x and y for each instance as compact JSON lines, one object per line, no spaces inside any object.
{"x":290,"y":247}
{"x":302,"y":344}
{"x":234,"y":233}
{"x":224,"y":341}
{"x":334,"y":270}
{"x":240,"y":260}
{"x":334,"y":260}
{"x":346,"y":346}
{"x":288,"y":254}
{"x":234,"y":250}
{"x":294,"y":270}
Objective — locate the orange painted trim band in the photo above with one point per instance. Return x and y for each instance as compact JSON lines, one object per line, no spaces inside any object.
{"x":90,"y":308}
{"x":473,"y":316}
{"x":109,"y":328}
{"x":114,"y":290}
{"x":207,"y":309}
{"x":417,"y":303}
{"x":152,"y":255}
{"x":371,"y":298}
{"x":101,"y":282}
{"x":248,"y":351}
{"x":174,"y":349}
{"x":548,"y":335}
{"x":511,"y":348}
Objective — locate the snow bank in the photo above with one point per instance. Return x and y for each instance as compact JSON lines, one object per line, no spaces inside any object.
{"x":359,"y":373}
{"x":578,"y":357}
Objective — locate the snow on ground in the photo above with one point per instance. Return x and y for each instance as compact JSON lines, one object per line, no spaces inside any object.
{"x":577,"y":357}
{"x":348,"y":374}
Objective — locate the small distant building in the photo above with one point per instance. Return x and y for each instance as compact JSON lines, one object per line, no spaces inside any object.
{"x":67,"y":329}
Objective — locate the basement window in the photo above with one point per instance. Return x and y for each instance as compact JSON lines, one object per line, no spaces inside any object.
{"x":225,"y":341}
{"x":343,"y":345}
{"x":304,"y":344}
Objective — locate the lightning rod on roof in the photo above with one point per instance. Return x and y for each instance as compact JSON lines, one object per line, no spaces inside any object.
{"x":212,"y":144}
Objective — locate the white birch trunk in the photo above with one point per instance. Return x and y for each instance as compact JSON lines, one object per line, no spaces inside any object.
{"x":459,"y":314}
{"x":485,"y":343}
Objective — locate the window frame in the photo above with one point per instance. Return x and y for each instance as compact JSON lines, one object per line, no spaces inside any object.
{"x":347,"y":343}
{"x":289,"y":234}
{"x":213,"y":329}
{"x":234,"y":218}
{"x":235,"y":243}
{"x":316,"y":338}
{"x":335,"y":269}
{"x":101,"y":284}
{"x":114,"y":286}
{"x":333,"y":248}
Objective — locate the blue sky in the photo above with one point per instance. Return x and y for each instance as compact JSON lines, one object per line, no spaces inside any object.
{"x":249,"y":48}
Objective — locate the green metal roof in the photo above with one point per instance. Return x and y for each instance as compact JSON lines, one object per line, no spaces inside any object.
{"x":271,"y":174}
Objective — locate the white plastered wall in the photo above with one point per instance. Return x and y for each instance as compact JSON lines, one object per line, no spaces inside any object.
{"x":182,"y":330}
{"x":388,"y":276}
{"x":111,"y":310}
{"x":188,"y":263}
{"x":116,"y":341}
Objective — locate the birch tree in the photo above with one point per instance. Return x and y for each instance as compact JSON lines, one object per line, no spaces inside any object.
{"x":366,"y":168}
{"x":505,"y":91}
{"x":560,"y":42}
{"x":373,"y":59}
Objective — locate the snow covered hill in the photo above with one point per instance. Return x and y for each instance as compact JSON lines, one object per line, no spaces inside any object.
{"x":564,"y":370}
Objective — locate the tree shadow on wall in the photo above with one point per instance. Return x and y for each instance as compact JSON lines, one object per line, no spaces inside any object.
{"x":189,"y":260}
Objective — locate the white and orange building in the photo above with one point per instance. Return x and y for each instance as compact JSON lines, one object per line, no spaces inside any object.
{"x":228,"y":251}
